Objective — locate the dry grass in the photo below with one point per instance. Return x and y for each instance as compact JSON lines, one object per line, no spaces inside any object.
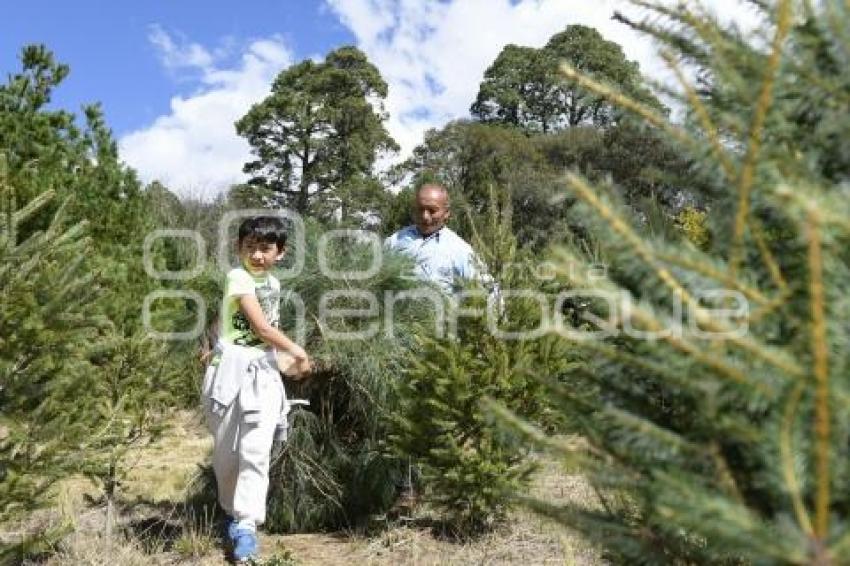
{"x":525,"y":538}
{"x":154,"y":527}
{"x":162,"y":471}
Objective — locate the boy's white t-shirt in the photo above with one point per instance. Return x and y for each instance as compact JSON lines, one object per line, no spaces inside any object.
{"x":235,"y":328}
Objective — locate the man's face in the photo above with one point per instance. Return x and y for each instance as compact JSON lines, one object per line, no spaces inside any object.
{"x":258,"y":257}
{"x":430,"y":210}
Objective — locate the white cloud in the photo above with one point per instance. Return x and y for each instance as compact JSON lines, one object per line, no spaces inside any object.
{"x":175,"y":56}
{"x":194,"y":149}
{"x":433,"y":54}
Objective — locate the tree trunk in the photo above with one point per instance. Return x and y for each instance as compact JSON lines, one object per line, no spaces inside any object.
{"x":109,"y":490}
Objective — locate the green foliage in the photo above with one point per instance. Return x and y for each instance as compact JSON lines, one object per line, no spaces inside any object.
{"x":46,"y":319}
{"x":31,"y":135}
{"x":723,"y":439}
{"x":643,"y":163}
{"x":46,"y":150}
{"x":106,"y":189}
{"x":568,"y":127}
{"x":130,"y":399}
{"x":93,"y":394}
{"x":396,"y":211}
{"x":470,"y":159}
{"x":523,"y":87}
{"x":693,"y":224}
{"x":469,"y":468}
{"x":316,"y":137}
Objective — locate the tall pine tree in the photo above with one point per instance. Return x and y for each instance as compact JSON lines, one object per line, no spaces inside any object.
{"x":317,"y":135}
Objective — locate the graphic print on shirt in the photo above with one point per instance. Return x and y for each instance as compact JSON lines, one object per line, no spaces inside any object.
{"x":269,"y":300}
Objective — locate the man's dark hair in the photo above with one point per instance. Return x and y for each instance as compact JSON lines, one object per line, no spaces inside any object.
{"x":265,"y":229}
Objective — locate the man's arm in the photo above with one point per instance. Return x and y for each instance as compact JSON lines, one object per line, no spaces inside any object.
{"x":393,"y":241}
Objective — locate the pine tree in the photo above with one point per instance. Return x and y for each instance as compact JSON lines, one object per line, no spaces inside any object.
{"x":317,"y":136}
{"x":724,"y":438}
{"x":112,"y":382}
{"x":468,"y":468}
{"x":130,"y":398}
{"x":46,"y":319}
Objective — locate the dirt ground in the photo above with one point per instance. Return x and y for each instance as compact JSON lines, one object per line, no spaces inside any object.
{"x":152,"y":527}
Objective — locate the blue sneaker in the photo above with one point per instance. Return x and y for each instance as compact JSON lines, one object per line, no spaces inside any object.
{"x":244,"y":545}
{"x":230,"y":528}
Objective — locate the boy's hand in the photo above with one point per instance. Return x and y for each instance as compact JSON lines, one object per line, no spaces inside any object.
{"x":298,"y":353}
{"x":294,"y":364}
{"x":302,"y":368}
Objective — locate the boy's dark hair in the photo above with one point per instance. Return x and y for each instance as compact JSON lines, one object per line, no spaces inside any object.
{"x":265,"y":229}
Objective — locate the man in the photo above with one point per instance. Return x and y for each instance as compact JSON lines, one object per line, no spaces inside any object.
{"x":442,"y":257}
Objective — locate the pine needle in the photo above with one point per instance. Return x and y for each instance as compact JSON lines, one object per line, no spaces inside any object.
{"x":755,"y":138}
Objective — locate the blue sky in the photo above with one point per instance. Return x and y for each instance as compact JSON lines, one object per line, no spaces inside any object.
{"x":106,"y":43}
{"x":174,"y":75}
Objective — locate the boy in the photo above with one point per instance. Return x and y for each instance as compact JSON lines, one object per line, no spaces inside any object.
{"x":243,"y":394}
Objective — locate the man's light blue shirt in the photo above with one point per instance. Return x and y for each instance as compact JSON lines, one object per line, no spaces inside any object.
{"x":441,"y":257}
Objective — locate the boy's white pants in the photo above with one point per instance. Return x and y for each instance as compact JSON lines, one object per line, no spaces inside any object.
{"x":241,"y":451}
